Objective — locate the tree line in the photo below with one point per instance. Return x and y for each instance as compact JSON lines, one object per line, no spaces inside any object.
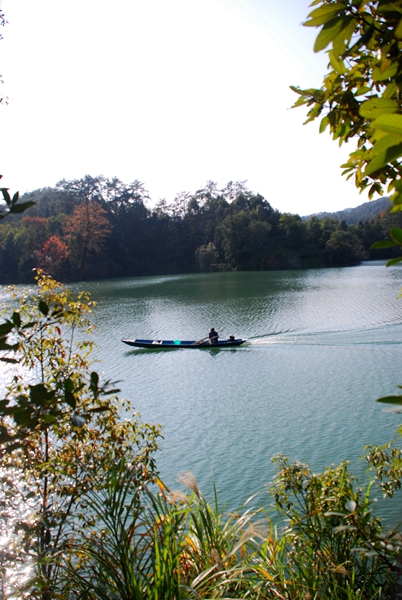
{"x":96,"y":228}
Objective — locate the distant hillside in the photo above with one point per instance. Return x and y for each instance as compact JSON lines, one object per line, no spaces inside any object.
{"x":352,"y":216}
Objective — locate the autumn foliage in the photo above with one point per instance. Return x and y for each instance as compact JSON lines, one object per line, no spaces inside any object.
{"x":97,"y":228}
{"x":87,"y":229}
{"x":52,"y":256}
{"x":89,"y":223}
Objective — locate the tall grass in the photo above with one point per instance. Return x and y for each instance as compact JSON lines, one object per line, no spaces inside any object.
{"x":154,"y":543}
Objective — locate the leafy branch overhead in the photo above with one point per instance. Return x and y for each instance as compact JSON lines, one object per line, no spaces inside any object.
{"x":361,"y":92}
{"x":361,"y":96}
{"x":12,"y":205}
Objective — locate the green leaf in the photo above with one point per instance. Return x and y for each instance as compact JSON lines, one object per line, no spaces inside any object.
{"x":376,"y":188}
{"x":5,"y":437}
{"x":398,"y":30}
{"x":386,"y":141}
{"x":16,"y":319}
{"x":43,"y":307}
{"x":20,"y":207}
{"x":15,"y":198}
{"x":383,"y":159}
{"x":6,"y":195}
{"x":375,"y":107}
{"x":68,"y":393}
{"x":322,"y":15}
{"x":397,"y":185}
{"x":48,"y":418}
{"x":12,"y":361}
{"x":68,"y":385}
{"x":383,"y":244}
{"x":390,"y":400}
{"x":6,"y":328}
{"x":23,"y":418}
{"x":324,"y":124}
{"x":391,"y":11}
{"x":39,"y":395}
{"x":107,"y":392}
{"x":391,"y":90}
{"x":389,"y":123}
{"x":336,"y":64}
{"x":381,"y":74}
{"x":8,"y":347}
{"x":396,"y":200}
{"x":396,"y":234}
{"x":347,"y":34}
{"x":94,"y":378}
{"x":394,"y":261}
{"x":363,"y":40}
{"x":362,"y":90}
{"x":70,"y":399}
{"x":328,"y":33}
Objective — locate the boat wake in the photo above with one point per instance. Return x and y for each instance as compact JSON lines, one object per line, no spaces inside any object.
{"x":379,"y":335}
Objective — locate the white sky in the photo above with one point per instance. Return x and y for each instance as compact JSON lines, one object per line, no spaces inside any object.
{"x":170,"y":92}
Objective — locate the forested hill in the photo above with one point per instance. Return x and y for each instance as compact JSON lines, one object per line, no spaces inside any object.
{"x":351,"y":216}
{"x":96,"y":228}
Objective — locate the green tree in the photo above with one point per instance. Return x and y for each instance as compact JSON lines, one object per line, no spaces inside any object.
{"x":234,"y":232}
{"x":9,"y":254}
{"x":60,"y":429}
{"x":258,"y":243}
{"x":314,"y":231}
{"x":361,"y":95}
{"x":294,"y":229}
{"x":207,"y":257}
{"x":30,"y":238}
{"x":49,"y":202}
{"x":345,"y":249}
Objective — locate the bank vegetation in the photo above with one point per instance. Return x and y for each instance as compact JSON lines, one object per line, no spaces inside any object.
{"x":97,"y":228}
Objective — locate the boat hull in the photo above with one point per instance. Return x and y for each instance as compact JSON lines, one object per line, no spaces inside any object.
{"x":182,"y":344}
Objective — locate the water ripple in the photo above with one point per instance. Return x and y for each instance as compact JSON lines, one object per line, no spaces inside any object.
{"x":322,"y":346}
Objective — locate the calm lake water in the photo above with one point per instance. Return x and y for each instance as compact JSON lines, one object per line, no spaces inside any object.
{"x":323,"y":345}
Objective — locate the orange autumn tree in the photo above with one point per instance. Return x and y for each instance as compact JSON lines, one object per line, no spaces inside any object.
{"x":52,"y":256}
{"x":86,"y":230}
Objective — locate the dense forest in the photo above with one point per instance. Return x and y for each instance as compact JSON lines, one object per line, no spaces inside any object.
{"x":96,"y":228}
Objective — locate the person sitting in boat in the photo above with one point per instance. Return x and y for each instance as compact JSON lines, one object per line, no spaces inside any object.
{"x":213,"y":336}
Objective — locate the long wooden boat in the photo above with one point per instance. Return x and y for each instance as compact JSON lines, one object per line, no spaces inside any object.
{"x":183,"y":344}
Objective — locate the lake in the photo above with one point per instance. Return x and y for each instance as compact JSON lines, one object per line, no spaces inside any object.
{"x":322,"y":346}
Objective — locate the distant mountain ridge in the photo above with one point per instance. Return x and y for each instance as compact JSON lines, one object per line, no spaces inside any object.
{"x":352,"y":216}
